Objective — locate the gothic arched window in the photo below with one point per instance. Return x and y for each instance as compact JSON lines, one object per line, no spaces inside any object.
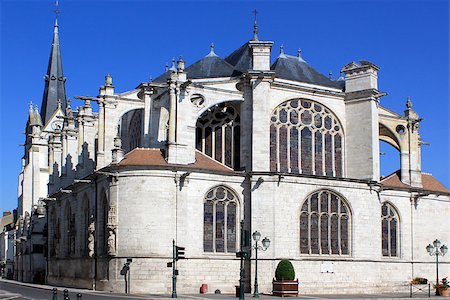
{"x":218,"y":134}
{"x":306,"y":138}
{"x":389,"y":230}
{"x":85,"y":216}
{"x":71,"y":230}
{"x":220,"y":218}
{"x":325,"y":224}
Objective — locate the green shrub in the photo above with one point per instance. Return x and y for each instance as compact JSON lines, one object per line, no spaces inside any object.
{"x":285,"y":270}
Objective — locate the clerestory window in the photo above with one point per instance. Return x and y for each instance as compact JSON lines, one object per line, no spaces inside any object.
{"x":220,"y":217}
{"x":325,"y":224}
{"x":306,"y":138}
{"x":389,"y":230}
{"x":218,"y":135}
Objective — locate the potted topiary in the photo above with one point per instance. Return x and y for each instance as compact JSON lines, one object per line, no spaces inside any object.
{"x":284,"y":283}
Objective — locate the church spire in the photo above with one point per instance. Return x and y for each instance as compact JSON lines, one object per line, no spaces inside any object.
{"x":55,"y":87}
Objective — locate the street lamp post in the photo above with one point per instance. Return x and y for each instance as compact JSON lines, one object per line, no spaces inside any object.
{"x":265,"y":244}
{"x":437,"y":250}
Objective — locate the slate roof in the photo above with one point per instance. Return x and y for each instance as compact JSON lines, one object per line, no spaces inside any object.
{"x":211,"y":66}
{"x":55,"y":88}
{"x":155,"y":158}
{"x":163,"y":77}
{"x":240,"y":58}
{"x":429,"y":183}
{"x":296,"y":69}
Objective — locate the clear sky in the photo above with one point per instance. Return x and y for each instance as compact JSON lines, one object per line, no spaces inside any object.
{"x":133,"y":40}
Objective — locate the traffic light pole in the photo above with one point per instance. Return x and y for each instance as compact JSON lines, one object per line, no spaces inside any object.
{"x":242,"y":271}
{"x":174,"y":275}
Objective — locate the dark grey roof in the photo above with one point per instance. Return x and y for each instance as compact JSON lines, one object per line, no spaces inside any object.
{"x":163,"y":77}
{"x":240,"y":58}
{"x":55,"y":88}
{"x":210,"y":66}
{"x":296,"y":69}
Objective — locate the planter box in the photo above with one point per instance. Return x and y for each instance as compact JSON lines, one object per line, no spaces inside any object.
{"x":444,"y":292}
{"x":285,"y":288}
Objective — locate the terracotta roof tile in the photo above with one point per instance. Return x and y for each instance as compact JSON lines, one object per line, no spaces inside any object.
{"x":429,"y":183}
{"x":155,"y":157}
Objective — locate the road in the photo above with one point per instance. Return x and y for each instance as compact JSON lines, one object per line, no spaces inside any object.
{"x":20,"y":292}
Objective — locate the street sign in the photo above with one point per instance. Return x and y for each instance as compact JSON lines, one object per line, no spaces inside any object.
{"x":179,"y":253}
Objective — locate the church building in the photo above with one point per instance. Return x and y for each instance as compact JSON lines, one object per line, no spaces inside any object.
{"x":189,"y":155}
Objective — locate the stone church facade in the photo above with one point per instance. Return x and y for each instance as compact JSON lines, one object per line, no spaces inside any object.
{"x":187,"y":156}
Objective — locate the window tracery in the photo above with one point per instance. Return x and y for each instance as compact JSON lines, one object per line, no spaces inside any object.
{"x":218,"y":135}
{"x":325,"y":225}
{"x":220,"y":217}
{"x":305,"y":138}
{"x":389,"y":230}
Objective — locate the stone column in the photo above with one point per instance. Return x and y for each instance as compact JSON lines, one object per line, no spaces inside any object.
{"x":172,"y":112}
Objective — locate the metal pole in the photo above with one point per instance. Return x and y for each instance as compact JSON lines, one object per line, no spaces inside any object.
{"x":242,"y":271}
{"x":256,"y":293}
{"x":129,"y":279}
{"x":78,"y":296}
{"x":437,"y":269}
{"x":174,"y":276}
{"x":55,"y":294}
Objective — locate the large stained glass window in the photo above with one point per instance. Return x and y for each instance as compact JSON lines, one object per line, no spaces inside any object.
{"x":325,"y":224}
{"x":389,"y":230}
{"x":220,"y":217}
{"x":306,"y":138}
{"x":218,"y":135}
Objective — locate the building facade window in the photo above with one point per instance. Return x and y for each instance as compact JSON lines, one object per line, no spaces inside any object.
{"x":218,"y":134}
{"x":389,"y":230}
{"x":325,"y":223}
{"x":85,"y":215}
{"x":71,"y":230}
{"x":220,"y":217}
{"x":306,"y":138}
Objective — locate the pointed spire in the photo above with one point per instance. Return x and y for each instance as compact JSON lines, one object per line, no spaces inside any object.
{"x":173,"y":68}
{"x":54,"y":80}
{"x":255,"y":27}
{"x":211,"y":50}
{"x":31,"y":119}
{"x":37,"y":117}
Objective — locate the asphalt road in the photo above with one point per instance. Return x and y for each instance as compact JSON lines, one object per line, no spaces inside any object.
{"x":20,"y":292}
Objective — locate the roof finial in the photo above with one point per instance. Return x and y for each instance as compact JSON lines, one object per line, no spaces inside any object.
{"x":150,"y":78}
{"x":330,"y":75}
{"x":409,"y":103}
{"x":173,"y":68}
{"x":282,"y":49}
{"x":255,"y":26}
{"x":56,"y":12}
{"x":166,"y":68}
{"x":59,"y":103}
{"x":211,"y":51}
{"x":299,"y":53}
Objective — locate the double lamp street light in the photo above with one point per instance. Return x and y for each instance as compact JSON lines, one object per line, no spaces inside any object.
{"x":265,"y":244}
{"x":437,"y":250}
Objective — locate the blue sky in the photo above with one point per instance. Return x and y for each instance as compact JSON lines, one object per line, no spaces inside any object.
{"x":133,"y":40}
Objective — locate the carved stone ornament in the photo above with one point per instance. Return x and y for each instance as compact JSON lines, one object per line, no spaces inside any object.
{"x":91,"y":239}
{"x":112,"y":241}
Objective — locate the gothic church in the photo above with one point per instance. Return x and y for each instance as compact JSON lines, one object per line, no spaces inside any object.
{"x":188,"y":155}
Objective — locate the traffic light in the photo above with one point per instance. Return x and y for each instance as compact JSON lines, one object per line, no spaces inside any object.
{"x":179,"y":253}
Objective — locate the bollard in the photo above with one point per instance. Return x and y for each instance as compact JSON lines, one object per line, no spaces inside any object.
{"x":55,"y":294}
{"x":79,"y":296}
{"x":66,"y":295}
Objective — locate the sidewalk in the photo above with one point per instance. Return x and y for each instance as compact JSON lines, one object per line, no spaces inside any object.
{"x":223,"y":296}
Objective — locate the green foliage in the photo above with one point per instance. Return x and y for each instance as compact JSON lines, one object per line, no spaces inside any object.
{"x":285,"y":270}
